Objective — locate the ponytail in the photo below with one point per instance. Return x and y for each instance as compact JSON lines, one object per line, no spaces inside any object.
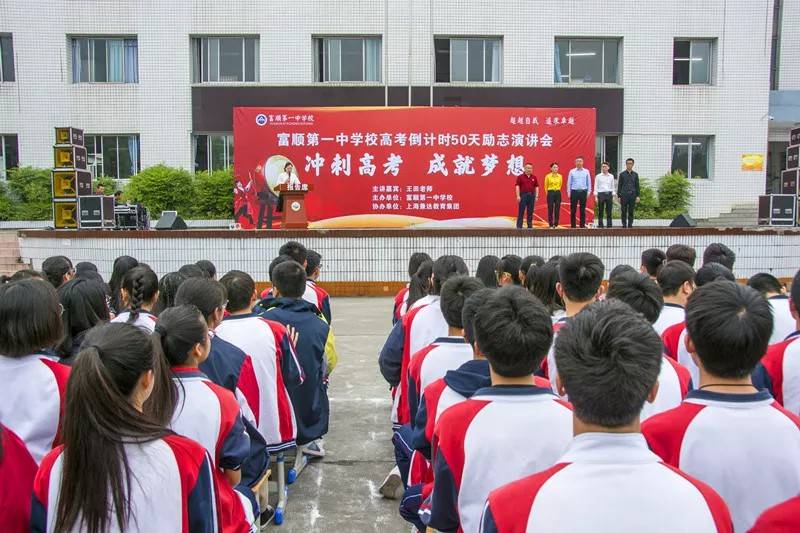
{"x":420,"y":284}
{"x":141,"y":284}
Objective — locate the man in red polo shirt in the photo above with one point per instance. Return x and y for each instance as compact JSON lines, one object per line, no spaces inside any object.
{"x":526,"y":194}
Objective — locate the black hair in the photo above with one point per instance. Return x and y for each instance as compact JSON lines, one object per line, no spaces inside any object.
{"x":179,"y":329}
{"x":208,"y":268}
{"x":30,"y":317}
{"x":673,"y":275}
{"x":510,"y":264}
{"x":638,"y":291}
{"x":122,"y":265}
{"x":580,"y":276}
{"x":765,"y":283}
{"x":277,"y":261}
{"x":313,"y":260}
{"x":295,"y":250}
{"x":712,"y":272}
{"x":682,"y":252}
{"x":240,"y":288}
{"x":630,"y":159}
{"x":168,"y":286}
{"x":529,"y":261}
{"x":90,"y":275}
{"x":514,"y":331}
{"x":207,"y":295}
{"x":85,"y":266}
{"x":553,"y":163}
{"x":420,"y":284}
{"x":716,"y":252}
{"x":555,"y":259}
{"x":85,"y":306}
{"x":652,"y":259}
{"x":541,"y":282}
{"x":141,"y":285}
{"x":608,"y":359}
{"x":730,"y":326}
{"x":55,"y":268}
{"x":620,"y":269}
{"x":192,"y":271}
{"x":455,"y":291}
{"x":446,"y":267}
{"x":487,"y":270}
{"x":416,"y":259}
{"x":288,"y":163}
{"x":117,"y":193}
{"x":27,"y":273}
{"x":290,"y":279}
{"x":470,"y":309}
{"x":794,"y":290}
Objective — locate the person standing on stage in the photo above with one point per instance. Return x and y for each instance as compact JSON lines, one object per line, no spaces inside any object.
{"x":628,"y":192}
{"x":552,"y":187}
{"x":288,"y":176}
{"x":526,"y":195}
{"x":604,"y":194}
{"x":579,"y":187}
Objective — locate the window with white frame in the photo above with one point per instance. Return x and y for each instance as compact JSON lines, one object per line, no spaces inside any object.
{"x":468,"y":59}
{"x":105,"y":60}
{"x":225,"y":59}
{"x":115,"y":156}
{"x":6,"y":58}
{"x":691,"y":61}
{"x":586,"y":60}
{"x":692,"y":155}
{"x":607,"y":149}
{"x":213,"y":151}
{"x":347,"y":59}
{"x":9,"y":154}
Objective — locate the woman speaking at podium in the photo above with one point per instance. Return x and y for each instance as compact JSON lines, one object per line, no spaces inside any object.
{"x":288,"y":176}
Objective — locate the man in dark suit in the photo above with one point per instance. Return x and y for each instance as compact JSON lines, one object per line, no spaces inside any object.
{"x":628,"y":192}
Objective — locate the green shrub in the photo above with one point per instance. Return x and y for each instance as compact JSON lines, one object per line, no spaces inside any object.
{"x":6,"y":204}
{"x":213,"y":195}
{"x":108,"y":182}
{"x":162,"y":188}
{"x":29,"y":190}
{"x":674,"y":194}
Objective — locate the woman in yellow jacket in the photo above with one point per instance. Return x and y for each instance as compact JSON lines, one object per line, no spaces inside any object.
{"x":552,"y":187}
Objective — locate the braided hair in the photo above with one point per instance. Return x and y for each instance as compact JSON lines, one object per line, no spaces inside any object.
{"x":141,"y":287}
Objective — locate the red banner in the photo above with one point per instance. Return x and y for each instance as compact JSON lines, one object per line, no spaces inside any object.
{"x":401,"y":167}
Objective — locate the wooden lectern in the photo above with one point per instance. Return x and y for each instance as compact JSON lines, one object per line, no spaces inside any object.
{"x":294,"y":214}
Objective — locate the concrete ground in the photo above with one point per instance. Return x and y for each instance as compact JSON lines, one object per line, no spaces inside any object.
{"x":340,"y":493}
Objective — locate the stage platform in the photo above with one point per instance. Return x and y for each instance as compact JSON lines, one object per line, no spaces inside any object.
{"x":359,"y":262}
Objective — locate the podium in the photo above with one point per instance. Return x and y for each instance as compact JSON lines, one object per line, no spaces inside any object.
{"x":294,"y":214}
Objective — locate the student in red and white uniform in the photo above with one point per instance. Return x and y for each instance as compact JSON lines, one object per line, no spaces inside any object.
{"x":676,"y":280}
{"x":474,"y":450}
{"x":401,"y":298}
{"x":727,"y":433}
{"x":139,"y":293}
{"x":782,"y":518}
{"x":81,"y":485}
{"x":32,"y":396}
{"x":641,"y":293}
{"x":314,"y":293}
{"x":770,"y":288}
{"x":274,"y":361}
{"x":17,"y":470}
{"x":507,"y":270}
{"x":652,"y":260}
{"x":607,"y":480}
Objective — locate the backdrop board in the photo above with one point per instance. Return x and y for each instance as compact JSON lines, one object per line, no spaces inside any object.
{"x":404,"y":167}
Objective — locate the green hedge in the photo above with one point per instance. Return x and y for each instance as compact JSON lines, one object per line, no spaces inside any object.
{"x":26,"y":195}
{"x":669,"y":197}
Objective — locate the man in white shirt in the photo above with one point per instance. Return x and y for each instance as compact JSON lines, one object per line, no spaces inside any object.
{"x":771,"y":288}
{"x":288,"y":176}
{"x":604,"y":194}
{"x":676,"y":280}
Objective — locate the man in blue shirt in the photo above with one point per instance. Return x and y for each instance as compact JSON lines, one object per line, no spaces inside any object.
{"x":579,"y":186}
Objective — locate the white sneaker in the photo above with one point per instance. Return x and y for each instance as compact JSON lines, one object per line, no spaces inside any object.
{"x":392,"y":486}
{"x":313,"y":449}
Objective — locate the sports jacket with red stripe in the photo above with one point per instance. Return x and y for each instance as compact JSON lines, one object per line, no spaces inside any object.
{"x":779,"y":372}
{"x":432,"y":363}
{"x":17,"y":471}
{"x":782,"y":518}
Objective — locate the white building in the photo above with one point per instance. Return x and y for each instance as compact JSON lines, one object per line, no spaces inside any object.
{"x":676,"y":84}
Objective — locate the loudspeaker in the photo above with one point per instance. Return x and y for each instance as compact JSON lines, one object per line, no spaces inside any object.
{"x":682,"y":221}
{"x":170,"y":220}
{"x":65,"y":215}
{"x":71,"y":183}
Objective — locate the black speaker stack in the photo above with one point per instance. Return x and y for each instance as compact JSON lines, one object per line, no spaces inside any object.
{"x":782,"y":209}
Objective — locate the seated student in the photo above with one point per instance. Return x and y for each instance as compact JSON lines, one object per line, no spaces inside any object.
{"x":676,"y":280}
{"x":168,"y":286}
{"x":475,"y":449}
{"x":716,"y":252}
{"x":58,"y":270}
{"x":108,"y":440}
{"x":607,"y":480}
{"x":652,"y":259}
{"x":274,"y":360}
{"x":315,"y":294}
{"x":32,"y":393}
{"x":208,"y":268}
{"x":508,"y":270}
{"x":643,"y":295}
{"x":542,"y":282}
{"x":84,"y":306}
{"x":682,"y":252}
{"x":486,"y":271}
{"x":728,"y":433}
{"x":526,"y":264}
{"x":401,"y":298}
{"x":771,"y":289}
{"x":122,"y":265}
{"x":139,"y":294}
{"x":316,"y":351}
{"x":781,"y":518}
{"x":191,"y":270}
{"x":17,"y":471}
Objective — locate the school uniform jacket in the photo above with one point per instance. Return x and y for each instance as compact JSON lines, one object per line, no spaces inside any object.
{"x":671,"y":314}
{"x":783,"y":321}
{"x":145,"y":321}
{"x":32,"y":399}
{"x":276,"y":369}
{"x":400,"y":304}
{"x":674,"y":338}
{"x":318,"y":297}
{"x":499,"y":435}
{"x":782,"y":518}
{"x":606,"y":482}
{"x":779,"y":372}
{"x":432,"y":363}
{"x":674,"y":383}
{"x":17,"y":470}
{"x":746,"y":446}
{"x":549,"y":368}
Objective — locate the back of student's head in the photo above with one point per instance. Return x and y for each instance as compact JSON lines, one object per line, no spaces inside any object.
{"x":168,"y":286}
{"x":289,"y":278}
{"x":295,"y":250}
{"x":711,"y":272}
{"x":620,"y":269}
{"x":652,"y":259}
{"x":455,"y":291}
{"x":487,"y":270}
{"x":638,"y":291}
{"x":470,"y":309}
{"x":208,"y":268}
{"x":542,"y":282}
{"x":313,"y":261}
{"x":682,"y":252}
{"x":529,"y":261}
{"x":446,"y":267}
{"x":580,"y":275}
{"x":514,"y":331}
{"x":140,"y":285}
{"x":55,"y":269}
{"x":794,"y":290}
{"x":673,"y":275}
{"x":765,"y":283}
{"x":85,"y":306}
{"x":240,"y":288}
{"x":84,"y":266}
{"x":508,"y":269}
{"x":27,"y":273}
{"x":178,"y":330}
{"x":122,"y":265}
{"x":207,"y":295}
{"x":277,"y":261}
{"x":91,"y":275}
{"x":420,"y":284}
{"x":416,"y":259}
{"x":192,"y":271}
{"x":730,"y":326}
{"x":30,"y":317}
{"x":716,"y":252}
{"x":608,"y":358}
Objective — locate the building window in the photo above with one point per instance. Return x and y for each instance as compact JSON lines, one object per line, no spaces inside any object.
{"x":468,"y":60}
{"x":692,"y":156}
{"x":776,"y":163}
{"x":6,"y":58}
{"x":9,"y":154}
{"x":347,"y":59}
{"x":115,"y":156}
{"x":213,"y":151}
{"x":587,"y":60}
{"x":606,"y":149}
{"x":105,"y":60}
{"x":691,"y":62}
{"x":225,"y":59}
